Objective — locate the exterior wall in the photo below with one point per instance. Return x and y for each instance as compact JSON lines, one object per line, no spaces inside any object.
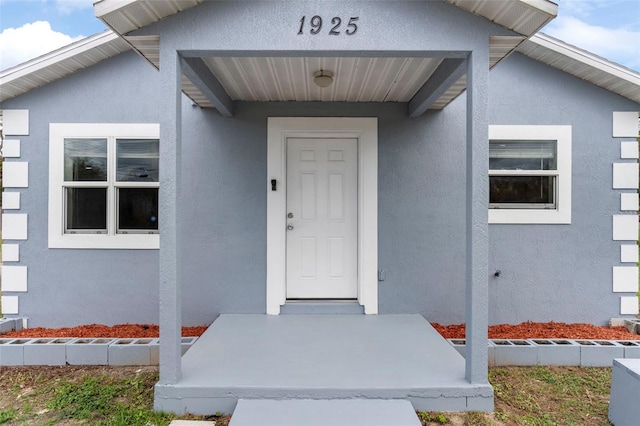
{"x":68,"y":287}
{"x":559,"y":272}
{"x":550,"y":272}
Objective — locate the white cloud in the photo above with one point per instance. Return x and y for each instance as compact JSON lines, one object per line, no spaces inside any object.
{"x":615,"y":44}
{"x":66,"y":7}
{"x":18,"y":45}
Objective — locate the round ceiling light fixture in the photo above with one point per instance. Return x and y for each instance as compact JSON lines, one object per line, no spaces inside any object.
{"x":323,"y":78}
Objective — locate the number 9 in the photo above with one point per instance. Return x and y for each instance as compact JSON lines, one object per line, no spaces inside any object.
{"x":316,"y":24}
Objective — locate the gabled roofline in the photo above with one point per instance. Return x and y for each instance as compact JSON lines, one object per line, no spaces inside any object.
{"x":586,"y":57}
{"x":91,"y":50}
{"x":66,"y":60}
{"x":68,"y":51}
{"x":583,"y":64}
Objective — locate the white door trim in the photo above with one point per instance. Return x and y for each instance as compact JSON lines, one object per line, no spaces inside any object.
{"x":366,"y":131}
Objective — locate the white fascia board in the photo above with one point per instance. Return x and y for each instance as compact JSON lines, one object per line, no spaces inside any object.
{"x":545,"y":6}
{"x":104,"y":7}
{"x":586,"y":58}
{"x":56,"y":56}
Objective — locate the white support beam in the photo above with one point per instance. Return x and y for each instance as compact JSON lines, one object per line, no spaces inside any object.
{"x":447,"y":73}
{"x":201,"y":76}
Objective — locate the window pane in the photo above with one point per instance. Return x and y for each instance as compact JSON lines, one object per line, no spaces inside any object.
{"x":522,"y":155}
{"x":522,"y":190}
{"x":85,"y":160}
{"x":137,"y":160}
{"x":137,"y":209}
{"x":86,"y":209}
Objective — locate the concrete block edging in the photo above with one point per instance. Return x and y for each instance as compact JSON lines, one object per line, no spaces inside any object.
{"x":558,"y":352}
{"x":83,"y":351}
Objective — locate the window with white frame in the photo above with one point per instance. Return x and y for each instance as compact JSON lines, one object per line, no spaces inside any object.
{"x":103,"y":185}
{"x":530,"y":174}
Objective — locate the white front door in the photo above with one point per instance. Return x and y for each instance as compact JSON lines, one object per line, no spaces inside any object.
{"x":322,"y":218}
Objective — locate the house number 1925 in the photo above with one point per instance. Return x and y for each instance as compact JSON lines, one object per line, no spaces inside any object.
{"x":315,"y":25}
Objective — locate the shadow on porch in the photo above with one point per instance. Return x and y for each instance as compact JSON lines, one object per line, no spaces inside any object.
{"x":322,"y":357}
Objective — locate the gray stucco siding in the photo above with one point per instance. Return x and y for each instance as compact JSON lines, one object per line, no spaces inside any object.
{"x":394,"y":27}
{"x":559,"y":272}
{"x":550,"y":272}
{"x":70,"y":287}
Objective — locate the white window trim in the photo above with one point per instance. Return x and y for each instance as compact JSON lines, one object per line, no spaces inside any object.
{"x":562,"y":213}
{"x":57,"y":238}
{"x":366,"y":131}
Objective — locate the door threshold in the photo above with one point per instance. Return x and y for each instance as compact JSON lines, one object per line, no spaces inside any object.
{"x":322,"y":301}
{"x":322,"y":306}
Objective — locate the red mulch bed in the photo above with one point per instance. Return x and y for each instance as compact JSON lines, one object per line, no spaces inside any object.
{"x":542,"y":330}
{"x":122,"y":331}
{"x":525,"y":330}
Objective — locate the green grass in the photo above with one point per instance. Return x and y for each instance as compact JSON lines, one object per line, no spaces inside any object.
{"x":124,"y":396}
{"x":103,"y":396}
{"x":539,"y":396}
{"x":552,"y":395}
{"x":104,"y":400}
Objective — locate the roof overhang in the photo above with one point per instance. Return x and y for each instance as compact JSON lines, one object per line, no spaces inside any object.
{"x":423,"y":79}
{"x":583,"y":64}
{"x":524,"y":17}
{"x":59,"y":63}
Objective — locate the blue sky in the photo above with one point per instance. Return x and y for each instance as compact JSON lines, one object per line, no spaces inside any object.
{"x":29,"y":28}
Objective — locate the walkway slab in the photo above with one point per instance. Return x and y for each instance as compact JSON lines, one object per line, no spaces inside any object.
{"x":341,"y":412}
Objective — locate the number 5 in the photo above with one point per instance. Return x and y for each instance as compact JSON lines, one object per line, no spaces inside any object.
{"x":352,"y":24}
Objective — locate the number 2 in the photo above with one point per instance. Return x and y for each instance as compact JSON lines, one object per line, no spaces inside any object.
{"x":352,"y":24}
{"x":336,"y":21}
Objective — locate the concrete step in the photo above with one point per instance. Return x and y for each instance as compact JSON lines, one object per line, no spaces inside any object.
{"x":323,"y":412}
{"x":322,"y":307}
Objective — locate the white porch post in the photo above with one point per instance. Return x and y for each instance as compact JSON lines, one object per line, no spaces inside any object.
{"x":169,"y":220}
{"x":477,"y":247}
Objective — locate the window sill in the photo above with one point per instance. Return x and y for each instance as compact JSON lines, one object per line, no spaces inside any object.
{"x":101,"y":241}
{"x":529,"y":216}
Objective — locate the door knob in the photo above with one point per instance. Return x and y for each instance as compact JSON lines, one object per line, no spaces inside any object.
{"x":289,"y":227}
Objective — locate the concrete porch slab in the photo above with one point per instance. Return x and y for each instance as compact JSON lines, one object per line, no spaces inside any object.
{"x":321,"y":357}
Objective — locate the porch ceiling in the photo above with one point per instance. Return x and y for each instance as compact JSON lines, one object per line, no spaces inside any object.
{"x":291,"y":79}
{"x":356,"y":79}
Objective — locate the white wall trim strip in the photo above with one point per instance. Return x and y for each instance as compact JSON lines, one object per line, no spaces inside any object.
{"x":14,"y":226}
{"x":14,"y":278}
{"x":15,"y":174}
{"x":9,"y":305}
{"x":629,"y":149}
{"x":10,"y":200}
{"x":628,"y":253}
{"x":629,"y":201}
{"x":625,"y":279}
{"x":11,"y":148}
{"x":625,"y":124}
{"x":625,"y":227}
{"x":629,"y":305}
{"x":625,"y":175}
{"x":10,"y":252}
{"x":15,"y":122}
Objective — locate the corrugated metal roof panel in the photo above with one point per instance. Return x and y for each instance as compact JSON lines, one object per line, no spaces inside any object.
{"x":291,"y":78}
